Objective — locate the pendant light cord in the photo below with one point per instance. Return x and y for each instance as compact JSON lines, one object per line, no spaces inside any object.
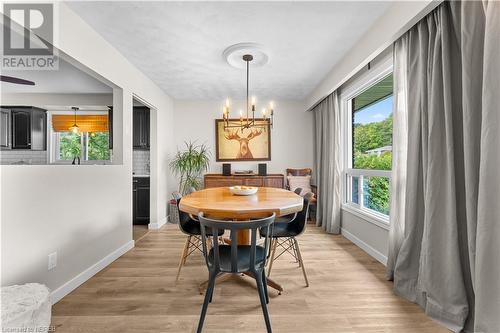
{"x":248,"y":74}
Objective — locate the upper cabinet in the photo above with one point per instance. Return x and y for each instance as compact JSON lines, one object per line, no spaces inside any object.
{"x":141,"y":128}
{"x":23,"y":128}
{"x":5,"y":136}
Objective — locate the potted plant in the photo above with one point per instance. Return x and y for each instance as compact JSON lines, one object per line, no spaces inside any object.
{"x":189,"y":164}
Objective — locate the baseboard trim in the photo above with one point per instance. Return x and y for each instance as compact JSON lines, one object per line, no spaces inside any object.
{"x":158,"y":224}
{"x":65,"y":289}
{"x":365,"y":247}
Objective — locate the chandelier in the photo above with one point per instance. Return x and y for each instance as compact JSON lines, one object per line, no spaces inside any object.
{"x":247,"y":120}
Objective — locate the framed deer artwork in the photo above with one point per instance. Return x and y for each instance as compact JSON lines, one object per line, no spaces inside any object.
{"x":233,"y":144}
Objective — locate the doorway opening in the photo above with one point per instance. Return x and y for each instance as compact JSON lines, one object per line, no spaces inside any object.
{"x":141,"y":168}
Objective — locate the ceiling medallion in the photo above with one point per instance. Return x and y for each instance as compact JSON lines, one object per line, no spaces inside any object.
{"x":240,"y":56}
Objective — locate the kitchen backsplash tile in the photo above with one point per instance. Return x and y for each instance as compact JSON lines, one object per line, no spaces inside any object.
{"x":23,"y":157}
{"x":140,"y":162}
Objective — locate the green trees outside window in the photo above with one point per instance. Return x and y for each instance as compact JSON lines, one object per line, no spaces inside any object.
{"x":69,"y":146}
{"x":372,"y":149}
{"x":88,"y":146}
{"x":98,"y":146}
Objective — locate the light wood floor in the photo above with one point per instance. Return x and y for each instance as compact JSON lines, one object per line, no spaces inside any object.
{"x":139,"y":231}
{"x":137,"y":293}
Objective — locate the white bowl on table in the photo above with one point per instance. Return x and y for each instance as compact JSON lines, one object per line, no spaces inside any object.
{"x":243,"y":190}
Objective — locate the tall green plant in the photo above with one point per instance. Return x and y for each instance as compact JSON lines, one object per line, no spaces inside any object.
{"x":189,"y":164}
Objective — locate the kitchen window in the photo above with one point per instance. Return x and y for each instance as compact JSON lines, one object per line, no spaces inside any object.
{"x":91,"y":143}
{"x":88,"y":146}
{"x":368,"y":139}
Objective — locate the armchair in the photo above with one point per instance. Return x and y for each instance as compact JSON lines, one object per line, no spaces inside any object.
{"x":296,"y":178}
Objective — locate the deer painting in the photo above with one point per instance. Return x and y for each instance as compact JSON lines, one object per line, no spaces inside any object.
{"x":244,"y":152}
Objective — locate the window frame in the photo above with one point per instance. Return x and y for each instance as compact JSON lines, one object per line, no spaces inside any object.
{"x":376,"y":74}
{"x":53,"y":139}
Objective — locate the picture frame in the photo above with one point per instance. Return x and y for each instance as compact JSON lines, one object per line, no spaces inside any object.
{"x":235,"y":145}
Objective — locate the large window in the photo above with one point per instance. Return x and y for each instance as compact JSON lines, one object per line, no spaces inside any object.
{"x":370,"y":147}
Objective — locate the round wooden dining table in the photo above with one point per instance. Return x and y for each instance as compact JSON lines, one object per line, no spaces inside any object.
{"x":219,"y":202}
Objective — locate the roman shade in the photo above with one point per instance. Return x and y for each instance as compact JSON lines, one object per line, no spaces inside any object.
{"x":374,"y":94}
{"x":86,"y":123}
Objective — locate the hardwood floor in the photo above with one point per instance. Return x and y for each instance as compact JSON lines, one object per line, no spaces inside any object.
{"x":139,"y":231}
{"x":137,"y":293}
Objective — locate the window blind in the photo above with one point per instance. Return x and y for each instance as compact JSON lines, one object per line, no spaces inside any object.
{"x":86,"y":123}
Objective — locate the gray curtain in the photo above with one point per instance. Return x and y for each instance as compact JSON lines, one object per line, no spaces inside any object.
{"x":399,"y":153}
{"x":327,"y":158}
{"x":445,"y":253}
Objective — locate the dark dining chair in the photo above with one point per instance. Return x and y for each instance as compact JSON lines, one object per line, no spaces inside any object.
{"x":284,"y":235}
{"x":289,"y":217}
{"x":191,"y":227}
{"x":235,"y":258}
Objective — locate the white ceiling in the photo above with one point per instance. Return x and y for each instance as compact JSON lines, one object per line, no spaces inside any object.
{"x":179,"y":45}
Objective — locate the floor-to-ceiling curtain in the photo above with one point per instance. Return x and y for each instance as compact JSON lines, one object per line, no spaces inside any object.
{"x":445,"y":252}
{"x":327,"y":162}
{"x":399,"y":153}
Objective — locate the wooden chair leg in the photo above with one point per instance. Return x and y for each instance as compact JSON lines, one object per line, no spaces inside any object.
{"x":271,"y":260}
{"x":301,"y":261}
{"x":292,"y":245}
{"x":190,"y":238}
{"x":183,"y":257}
{"x":208,"y":296}
{"x":262,"y":296}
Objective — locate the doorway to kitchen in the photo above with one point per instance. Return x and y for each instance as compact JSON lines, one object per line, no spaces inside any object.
{"x":141,"y":168}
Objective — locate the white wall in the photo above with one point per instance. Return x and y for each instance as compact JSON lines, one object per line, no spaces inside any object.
{"x":370,"y":237}
{"x":83,"y":212}
{"x":44,"y":99}
{"x":291,"y":137}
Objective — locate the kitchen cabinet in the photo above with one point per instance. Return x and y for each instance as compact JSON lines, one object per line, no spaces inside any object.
{"x":23,"y":128}
{"x":38,"y":129}
{"x":140,"y":200}
{"x":141,"y":128}
{"x":5,"y":136}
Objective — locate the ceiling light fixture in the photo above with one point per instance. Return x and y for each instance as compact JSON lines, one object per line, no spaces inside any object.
{"x":75,"y":129}
{"x":247,"y":121}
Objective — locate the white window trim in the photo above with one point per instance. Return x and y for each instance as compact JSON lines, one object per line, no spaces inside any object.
{"x":365,"y":81}
{"x":360,"y":210}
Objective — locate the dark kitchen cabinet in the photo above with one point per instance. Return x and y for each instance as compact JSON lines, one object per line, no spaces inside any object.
{"x":110,"y":126}
{"x":141,"y":128}
{"x":23,"y":128}
{"x":140,"y":200}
